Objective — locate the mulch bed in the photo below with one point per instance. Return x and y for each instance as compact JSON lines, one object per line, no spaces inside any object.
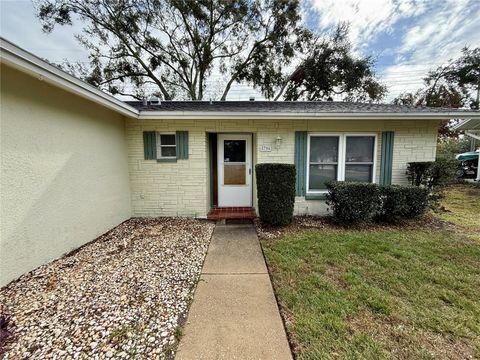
{"x":306,"y":222}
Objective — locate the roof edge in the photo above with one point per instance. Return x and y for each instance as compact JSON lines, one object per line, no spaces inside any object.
{"x":20,"y":59}
{"x":212,"y":115}
{"x":469,"y":124}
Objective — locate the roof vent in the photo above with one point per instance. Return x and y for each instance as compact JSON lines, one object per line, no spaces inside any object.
{"x":155,"y":100}
{"x":252,"y":98}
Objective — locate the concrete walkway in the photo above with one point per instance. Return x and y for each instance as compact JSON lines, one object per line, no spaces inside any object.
{"x":234,"y":314}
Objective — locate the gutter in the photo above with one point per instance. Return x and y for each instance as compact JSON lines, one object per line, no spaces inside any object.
{"x":217,"y":115}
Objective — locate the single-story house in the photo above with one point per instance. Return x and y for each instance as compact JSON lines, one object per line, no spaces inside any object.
{"x":76,"y":162}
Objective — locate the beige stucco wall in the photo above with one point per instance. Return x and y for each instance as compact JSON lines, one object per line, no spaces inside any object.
{"x":64,"y":173}
{"x":182,"y":188}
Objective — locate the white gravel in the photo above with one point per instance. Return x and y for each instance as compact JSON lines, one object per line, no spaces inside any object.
{"x":121,"y":296}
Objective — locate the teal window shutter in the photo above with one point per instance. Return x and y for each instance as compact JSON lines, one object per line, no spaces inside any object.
{"x":150,"y":145}
{"x":182,"y":144}
{"x":301,"y":162}
{"x":386,"y":162}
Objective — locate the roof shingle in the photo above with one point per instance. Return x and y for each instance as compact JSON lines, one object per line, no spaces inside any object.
{"x":284,"y":107}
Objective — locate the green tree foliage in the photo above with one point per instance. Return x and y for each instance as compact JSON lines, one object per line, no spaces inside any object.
{"x":176,"y":45}
{"x":455,"y":85}
{"x":330,"y":69}
{"x":450,"y":147}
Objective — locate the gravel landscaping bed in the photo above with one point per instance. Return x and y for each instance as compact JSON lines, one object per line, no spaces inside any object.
{"x":123,"y":295}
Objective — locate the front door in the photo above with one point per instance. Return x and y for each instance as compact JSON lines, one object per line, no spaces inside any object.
{"x":234,"y":170}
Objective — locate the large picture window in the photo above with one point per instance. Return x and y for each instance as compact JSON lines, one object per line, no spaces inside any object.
{"x":323,"y":166}
{"x":348,"y":157}
{"x":359,"y":158}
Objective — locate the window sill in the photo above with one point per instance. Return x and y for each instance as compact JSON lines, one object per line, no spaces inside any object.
{"x":316,"y":196}
{"x":167,"y":160}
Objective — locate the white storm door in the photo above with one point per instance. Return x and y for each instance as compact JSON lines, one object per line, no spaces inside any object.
{"x":234,"y":170}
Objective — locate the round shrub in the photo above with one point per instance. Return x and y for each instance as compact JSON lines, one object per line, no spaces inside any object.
{"x":419,"y":173}
{"x":394,"y":202}
{"x":403,"y":202}
{"x":417,"y":201}
{"x":353,"y":203}
{"x":445,"y":171}
{"x":434,"y":173}
{"x":275,"y":192}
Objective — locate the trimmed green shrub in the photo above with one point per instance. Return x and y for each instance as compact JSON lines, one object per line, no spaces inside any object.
{"x":393,"y":201}
{"x":403,"y":202}
{"x":417,"y":200}
{"x":353,"y":203}
{"x":445,"y":171}
{"x":419,"y":173}
{"x":275,"y":192}
{"x":434,"y":173}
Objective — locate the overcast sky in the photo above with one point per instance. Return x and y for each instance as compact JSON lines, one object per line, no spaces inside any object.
{"x":406,"y":37}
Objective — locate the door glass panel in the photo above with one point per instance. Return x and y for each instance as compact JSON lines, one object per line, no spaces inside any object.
{"x":324,"y":149}
{"x":360,"y":149}
{"x":358,"y":173}
{"x":319,"y":175}
{"x":234,"y":174}
{"x":234,"y":151}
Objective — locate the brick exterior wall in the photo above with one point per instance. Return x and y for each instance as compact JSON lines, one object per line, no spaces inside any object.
{"x":182,"y":188}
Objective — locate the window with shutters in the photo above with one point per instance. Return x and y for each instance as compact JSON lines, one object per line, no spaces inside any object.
{"x":166,"y":146}
{"x":340,"y":157}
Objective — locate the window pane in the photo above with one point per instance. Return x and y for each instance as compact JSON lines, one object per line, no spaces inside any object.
{"x":167,"y":139}
{"x":324,"y":149}
{"x":359,"y":149}
{"x":234,"y":174}
{"x":358,"y":173}
{"x":321,"y":174}
{"x":168,"y":151}
{"x":234,"y":150}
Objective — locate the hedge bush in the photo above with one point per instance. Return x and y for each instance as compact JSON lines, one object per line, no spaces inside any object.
{"x":445,"y":171}
{"x":353,"y":203}
{"x":419,"y":173}
{"x":434,"y":173}
{"x":394,"y":204}
{"x":417,"y":200}
{"x":275,"y":192}
{"x":403,"y":202}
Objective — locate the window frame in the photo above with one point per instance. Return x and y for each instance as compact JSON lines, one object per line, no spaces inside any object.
{"x":342,"y":150}
{"x":159,"y":146}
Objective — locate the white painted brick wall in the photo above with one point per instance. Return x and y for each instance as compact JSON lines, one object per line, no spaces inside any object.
{"x":182,"y":188}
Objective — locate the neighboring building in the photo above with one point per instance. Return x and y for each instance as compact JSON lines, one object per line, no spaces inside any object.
{"x":76,"y":162}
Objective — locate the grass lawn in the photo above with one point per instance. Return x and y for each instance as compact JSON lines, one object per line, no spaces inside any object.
{"x":403,"y":293}
{"x":462,"y":205}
